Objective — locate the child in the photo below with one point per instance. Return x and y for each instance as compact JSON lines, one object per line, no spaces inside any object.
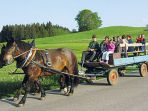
{"x":110,"y":49}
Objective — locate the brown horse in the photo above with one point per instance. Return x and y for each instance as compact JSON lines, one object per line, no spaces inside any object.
{"x":23,"y":53}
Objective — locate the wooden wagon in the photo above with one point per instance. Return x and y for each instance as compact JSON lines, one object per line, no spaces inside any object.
{"x":117,"y":63}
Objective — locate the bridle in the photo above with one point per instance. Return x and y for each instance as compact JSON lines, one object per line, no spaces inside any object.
{"x":29,"y":57}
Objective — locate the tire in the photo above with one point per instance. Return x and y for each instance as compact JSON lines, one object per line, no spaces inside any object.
{"x":143,"y":70}
{"x":112,"y":77}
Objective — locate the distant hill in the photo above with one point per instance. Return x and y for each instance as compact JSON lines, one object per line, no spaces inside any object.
{"x":79,"y":41}
{"x":101,"y":32}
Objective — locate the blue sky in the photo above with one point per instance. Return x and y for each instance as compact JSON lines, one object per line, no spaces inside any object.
{"x":63,"y":12}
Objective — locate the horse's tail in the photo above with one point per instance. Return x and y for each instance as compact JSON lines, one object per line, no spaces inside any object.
{"x":76,"y":71}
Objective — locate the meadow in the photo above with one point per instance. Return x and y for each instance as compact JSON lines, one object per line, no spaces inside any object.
{"x":75,"y":41}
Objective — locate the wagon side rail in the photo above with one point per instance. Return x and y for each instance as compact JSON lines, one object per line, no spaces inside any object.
{"x":134,"y":45}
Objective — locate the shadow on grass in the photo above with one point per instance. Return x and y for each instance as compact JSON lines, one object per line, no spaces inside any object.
{"x":8,"y":89}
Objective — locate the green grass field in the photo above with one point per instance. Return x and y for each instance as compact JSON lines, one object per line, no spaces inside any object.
{"x":76,"y":41}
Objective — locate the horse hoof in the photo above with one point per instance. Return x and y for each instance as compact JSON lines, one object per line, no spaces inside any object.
{"x":42,"y":98}
{"x":65,"y":90}
{"x":15,"y":99}
{"x":67,"y":94}
{"x":20,"y":105}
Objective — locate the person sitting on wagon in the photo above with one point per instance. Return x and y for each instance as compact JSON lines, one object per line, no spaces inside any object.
{"x":129,"y":39}
{"x":143,"y":41}
{"x":103,"y":44}
{"x":93,"y":48}
{"x":125,"y":42}
{"x":110,"y":49}
{"x":138,"y":40}
{"x":118,"y":49}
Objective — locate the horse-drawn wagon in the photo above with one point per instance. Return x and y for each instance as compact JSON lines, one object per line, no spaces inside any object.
{"x":117,"y":63}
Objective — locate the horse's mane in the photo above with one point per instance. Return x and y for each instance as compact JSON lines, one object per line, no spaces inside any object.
{"x":23,"y":45}
{"x":26,"y":46}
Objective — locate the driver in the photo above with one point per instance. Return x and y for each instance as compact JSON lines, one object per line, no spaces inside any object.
{"x":90,"y":54}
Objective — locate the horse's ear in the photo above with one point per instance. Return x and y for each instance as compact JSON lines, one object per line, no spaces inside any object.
{"x":33,"y":43}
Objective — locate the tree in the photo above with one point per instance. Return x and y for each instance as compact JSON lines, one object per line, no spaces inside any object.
{"x":88,"y":20}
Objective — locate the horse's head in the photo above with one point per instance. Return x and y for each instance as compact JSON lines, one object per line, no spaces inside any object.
{"x":7,"y":53}
{"x":12,"y":49}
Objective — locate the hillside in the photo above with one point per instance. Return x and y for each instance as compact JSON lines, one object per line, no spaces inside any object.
{"x":79,"y":41}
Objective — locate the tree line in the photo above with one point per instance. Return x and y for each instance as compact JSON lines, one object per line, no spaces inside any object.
{"x":86,"y":19}
{"x":31,"y":31}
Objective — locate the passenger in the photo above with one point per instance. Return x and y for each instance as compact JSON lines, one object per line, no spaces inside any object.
{"x":143,"y":41}
{"x":124,"y":41}
{"x":129,"y":39}
{"x":119,"y":39}
{"x":117,"y":44}
{"x":92,"y":50}
{"x":110,"y":49}
{"x":138,"y":39}
{"x":103,"y":44}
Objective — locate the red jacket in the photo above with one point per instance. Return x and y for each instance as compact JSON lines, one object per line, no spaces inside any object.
{"x":139,"y":40}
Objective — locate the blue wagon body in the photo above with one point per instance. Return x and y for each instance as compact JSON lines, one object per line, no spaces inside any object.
{"x":130,"y":60}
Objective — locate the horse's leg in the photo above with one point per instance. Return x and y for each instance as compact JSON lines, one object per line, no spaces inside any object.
{"x":26,"y":89}
{"x":68,"y":85}
{"x":62,"y":82}
{"x":37,"y":88}
{"x":72,"y":85}
{"x":16,"y":96}
{"x":41,"y":89}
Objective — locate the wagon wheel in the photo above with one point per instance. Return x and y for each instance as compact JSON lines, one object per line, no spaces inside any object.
{"x":112,"y":77}
{"x":143,"y":69}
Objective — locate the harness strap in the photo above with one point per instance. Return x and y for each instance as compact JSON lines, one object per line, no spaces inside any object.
{"x":31,"y":57}
{"x":21,"y":54}
{"x":48,"y":61}
{"x":26,"y":58}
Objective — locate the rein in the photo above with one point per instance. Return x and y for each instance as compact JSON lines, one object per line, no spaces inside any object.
{"x":28,"y":58}
{"x":25,"y":53}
